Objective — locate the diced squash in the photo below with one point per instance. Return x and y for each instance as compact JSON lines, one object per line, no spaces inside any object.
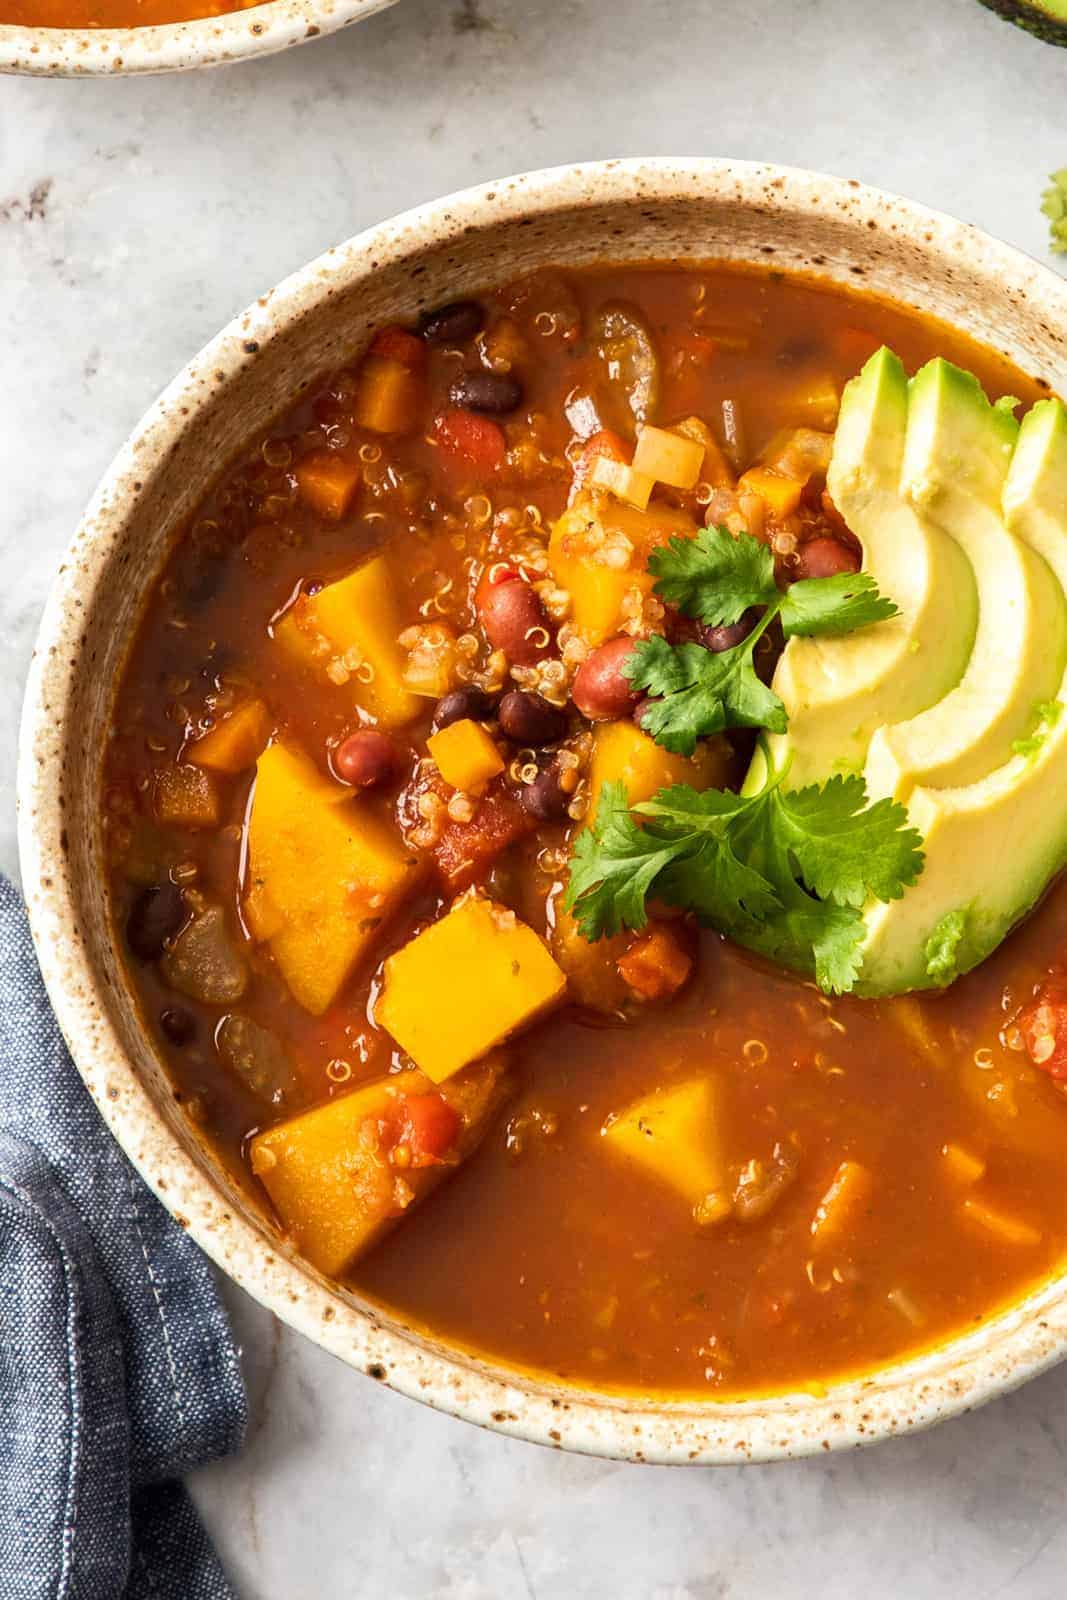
{"x":1000,"y":1225}
{"x":329,"y":1174}
{"x":235,"y":743}
{"x":781,"y":495}
{"x":800,"y":453}
{"x":623,"y":481}
{"x":714,"y":468}
{"x":466,"y":756}
{"x":593,"y":978}
{"x":387,"y":396}
{"x":261,"y":916}
{"x":962,"y":1165}
{"x":333,"y":871}
{"x":668,"y":457}
{"x":464,"y":984}
{"x":675,"y":1134}
{"x":186,"y":797}
{"x":347,"y":635}
{"x":839,"y":1211}
{"x":598,"y":552}
{"x":814,"y":401}
{"x":328,"y":481}
{"x":623,"y":753}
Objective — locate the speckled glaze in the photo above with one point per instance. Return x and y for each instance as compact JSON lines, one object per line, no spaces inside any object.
{"x":176,"y":46}
{"x":312,"y":322}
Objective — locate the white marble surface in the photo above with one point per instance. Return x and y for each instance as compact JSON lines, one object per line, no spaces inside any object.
{"x":135,"y":218}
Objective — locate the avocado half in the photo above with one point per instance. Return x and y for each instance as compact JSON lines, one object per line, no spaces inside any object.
{"x":1047,"y":19}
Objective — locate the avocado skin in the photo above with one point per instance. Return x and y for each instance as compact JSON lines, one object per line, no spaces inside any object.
{"x":1046,"y":24}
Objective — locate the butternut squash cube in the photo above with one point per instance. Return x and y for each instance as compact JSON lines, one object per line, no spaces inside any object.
{"x":347,"y":635}
{"x":186,"y":797}
{"x":466,"y":756}
{"x":623,"y":753}
{"x":328,"y":867}
{"x":464,"y":984}
{"x":328,"y":481}
{"x":387,"y":396}
{"x":668,"y":457}
{"x":236,"y":742}
{"x":780,"y":494}
{"x":598,"y":552}
{"x":676,"y":1135}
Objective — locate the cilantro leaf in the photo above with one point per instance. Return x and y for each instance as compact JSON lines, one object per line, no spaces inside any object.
{"x":715,"y":576}
{"x":699,"y":692}
{"x":829,"y":606}
{"x":1054,"y":205}
{"x":784,"y":873}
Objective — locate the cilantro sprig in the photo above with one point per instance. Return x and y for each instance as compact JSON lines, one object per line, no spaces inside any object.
{"x":783,"y":872}
{"x":717,"y":578}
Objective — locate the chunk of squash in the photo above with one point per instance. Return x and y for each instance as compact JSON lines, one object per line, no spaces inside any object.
{"x":598,"y":552}
{"x":186,"y":797}
{"x":676,"y":1135}
{"x":324,"y":864}
{"x":347,"y":635}
{"x":233,"y":744}
{"x":329,"y":1174}
{"x":328,"y":481}
{"x":464,"y":984}
{"x":466,"y":756}
{"x":623,"y":753}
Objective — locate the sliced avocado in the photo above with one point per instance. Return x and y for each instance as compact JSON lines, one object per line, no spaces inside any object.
{"x":956,"y":457}
{"x":1047,"y":19}
{"x":838,"y":691}
{"x":992,"y":846}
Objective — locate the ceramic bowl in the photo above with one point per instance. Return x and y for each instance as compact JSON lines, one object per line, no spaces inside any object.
{"x":311,"y":323}
{"x":176,"y":46}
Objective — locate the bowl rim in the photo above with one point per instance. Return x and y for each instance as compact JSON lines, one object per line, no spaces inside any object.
{"x":176,"y":46}
{"x":1015,"y":1345}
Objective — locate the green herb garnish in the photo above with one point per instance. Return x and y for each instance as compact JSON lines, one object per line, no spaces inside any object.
{"x":717,"y":578}
{"x":783,"y":872}
{"x":1054,"y":205}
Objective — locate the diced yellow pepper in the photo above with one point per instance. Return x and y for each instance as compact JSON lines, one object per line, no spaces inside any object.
{"x":674,"y":1133}
{"x":331,"y":869}
{"x":623,"y":753}
{"x":464,"y":984}
{"x":838,"y":1211}
{"x":186,"y":797}
{"x":668,"y":457}
{"x":236,"y":742}
{"x":623,"y":481}
{"x":598,"y":552}
{"x":387,"y":396}
{"x":466,"y":756}
{"x":355,"y":620}
{"x":781,"y":495}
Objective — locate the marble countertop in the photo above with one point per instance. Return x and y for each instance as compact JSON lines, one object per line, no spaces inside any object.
{"x":136,"y":216}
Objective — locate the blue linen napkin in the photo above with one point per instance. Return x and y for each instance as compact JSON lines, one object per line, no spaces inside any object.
{"x":118,"y":1371}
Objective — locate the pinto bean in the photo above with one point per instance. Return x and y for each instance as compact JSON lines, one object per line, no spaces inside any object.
{"x":512,"y":616}
{"x":366,"y":759}
{"x":825,"y":558}
{"x":601,"y":690}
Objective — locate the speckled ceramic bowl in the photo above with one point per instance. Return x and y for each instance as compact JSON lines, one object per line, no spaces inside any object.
{"x":176,"y":46}
{"x":311,"y":323}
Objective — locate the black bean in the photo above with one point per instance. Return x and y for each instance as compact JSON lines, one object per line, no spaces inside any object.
{"x":178,"y":1026}
{"x":729,"y":633}
{"x":545,"y":798}
{"x":492,"y":392}
{"x":529,"y":720}
{"x":460,"y":705}
{"x":155,"y":916}
{"x":452,"y":324}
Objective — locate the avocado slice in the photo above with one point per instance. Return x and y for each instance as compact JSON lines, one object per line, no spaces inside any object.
{"x":838,"y":691}
{"x":1047,"y":19}
{"x":991,"y":846}
{"x":956,"y":458}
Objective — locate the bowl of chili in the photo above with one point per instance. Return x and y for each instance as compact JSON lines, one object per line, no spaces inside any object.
{"x":773,"y":229}
{"x":75,"y":39}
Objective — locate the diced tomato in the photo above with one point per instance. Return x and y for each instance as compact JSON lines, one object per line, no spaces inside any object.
{"x":471,"y":438}
{"x":691,"y":345}
{"x":426,"y":1126}
{"x":397,"y":344}
{"x":465,"y":851}
{"x":1043,"y":1026}
{"x":658,"y":962}
{"x":603,"y":446}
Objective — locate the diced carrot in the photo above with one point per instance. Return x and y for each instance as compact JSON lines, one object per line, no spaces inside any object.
{"x":847,"y":1195}
{"x":657,"y":963}
{"x":387,"y":395}
{"x":397,"y":344}
{"x":425,"y":1125}
{"x":471,"y":438}
{"x":781,"y":495}
{"x":855,"y":345}
{"x":328,"y":482}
